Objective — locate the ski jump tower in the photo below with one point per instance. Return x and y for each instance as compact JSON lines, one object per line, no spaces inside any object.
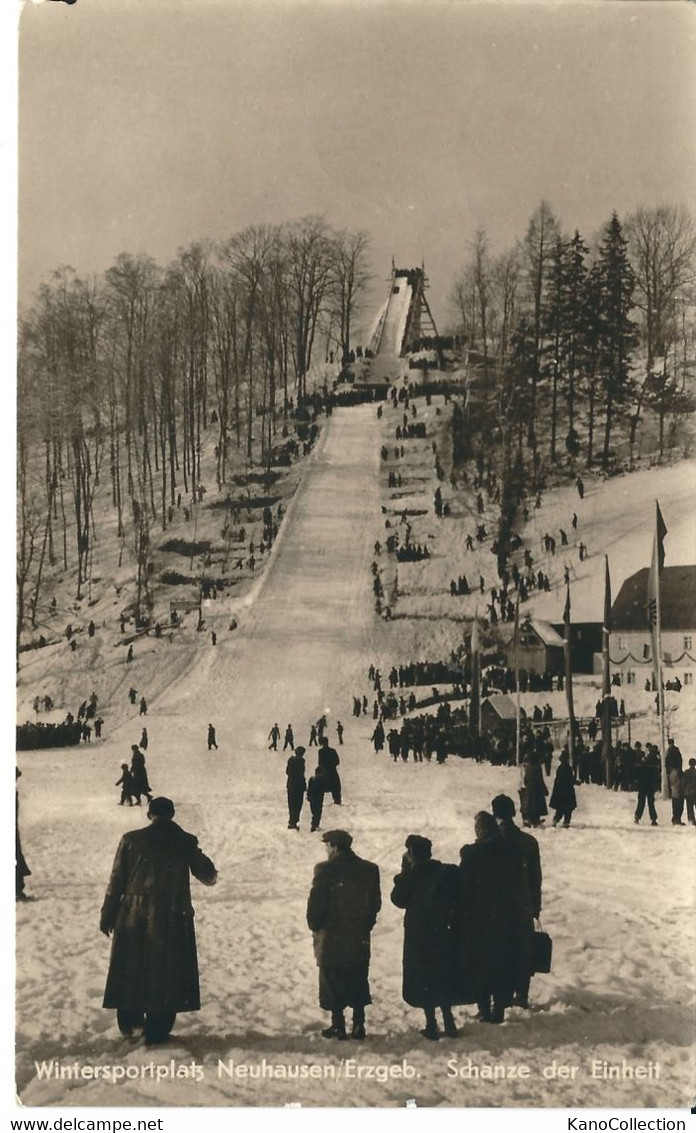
{"x":406,"y":316}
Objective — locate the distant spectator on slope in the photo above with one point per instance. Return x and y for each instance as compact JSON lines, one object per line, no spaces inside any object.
{"x":689,"y":789}
{"x":296,"y":786}
{"x":316,"y":789}
{"x":274,"y":736}
{"x":126,"y":785}
{"x":289,"y":741}
{"x":563,"y":799}
{"x":676,"y":794}
{"x":647,"y":781}
{"x":141,"y":785}
{"x":212,"y":738}
{"x":21,"y":868}
{"x":327,"y":758}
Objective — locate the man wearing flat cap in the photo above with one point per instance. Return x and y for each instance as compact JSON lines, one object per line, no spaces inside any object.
{"x":342,"y":909}
{"x":153,"y":973}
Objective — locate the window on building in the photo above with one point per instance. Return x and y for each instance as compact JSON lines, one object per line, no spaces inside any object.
{"x":687,"y":641}
{"x":622,"y":642}
{"x":630,"y":677}
{"x":688,"y":678}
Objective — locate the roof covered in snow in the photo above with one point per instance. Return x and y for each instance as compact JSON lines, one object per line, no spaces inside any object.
{"x":677,"y":600}
{"x":544,"y":631}
{"x":503,"y":706}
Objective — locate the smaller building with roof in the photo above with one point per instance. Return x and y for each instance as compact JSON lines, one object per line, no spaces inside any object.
{"x":540,"y":648}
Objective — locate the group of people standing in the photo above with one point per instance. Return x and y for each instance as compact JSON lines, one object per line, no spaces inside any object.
{"x":325,"y":780}
{"x":468,"y":929}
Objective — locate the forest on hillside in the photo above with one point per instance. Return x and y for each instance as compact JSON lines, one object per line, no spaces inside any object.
{"x":580,"y":341}
{"x":122,"y":376}
{"x":579,"y":354}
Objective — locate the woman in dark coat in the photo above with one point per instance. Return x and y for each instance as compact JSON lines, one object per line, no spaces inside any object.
{"x":563,"y":799}
{"x":141,"y":785}
{"x":153,"y":973}
{"x":533,"y":793}
{"x":490,"y":918}
{"x":427,"y":890}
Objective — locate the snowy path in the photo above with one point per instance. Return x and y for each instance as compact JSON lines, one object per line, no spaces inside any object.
{"x":622,"y":919}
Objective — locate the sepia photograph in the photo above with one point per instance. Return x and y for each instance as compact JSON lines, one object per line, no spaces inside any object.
{"x":356,"y":555}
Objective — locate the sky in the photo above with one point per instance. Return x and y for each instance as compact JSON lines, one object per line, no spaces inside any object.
{"x":146,"y":124}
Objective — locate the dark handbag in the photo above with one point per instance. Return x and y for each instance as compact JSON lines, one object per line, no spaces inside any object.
{"x":541,"y":951}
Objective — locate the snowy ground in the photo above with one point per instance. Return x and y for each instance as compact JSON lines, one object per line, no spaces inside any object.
{"x":618,"y":899}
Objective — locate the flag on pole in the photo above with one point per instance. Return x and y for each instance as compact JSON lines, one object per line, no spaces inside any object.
{"x":654,"y":621}
{"x":517,"y":679}
{"x":607,"y":597}
{"x":607,"y":754}
{"x":656,"y":565}
{"x":569,"y":680}
{"x":475,"y":702}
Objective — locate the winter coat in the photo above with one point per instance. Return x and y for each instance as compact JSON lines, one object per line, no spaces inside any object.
{"x":316,"y":789}
{"x":527,"y":849}
{"x":689,"y":783}
{"x":342,"y":909}
{"x":647,"y":776}
{"x":141,"y":785}
{"x":327,"y":757}
{"x":563,"y":794}
{"x":673,"y":758}
{"x":491,"y":917}
{"x":148,"y":905}
{"x":533,"y":794}
{"x":676,"y":789}
{"x":427,"y":890}
{"x":295,"y":771}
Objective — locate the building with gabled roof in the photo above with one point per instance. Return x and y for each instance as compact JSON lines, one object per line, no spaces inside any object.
{"x":540,"y":648}
{"x":630,"y":641}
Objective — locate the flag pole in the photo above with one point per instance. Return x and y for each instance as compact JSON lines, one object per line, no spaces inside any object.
{"x":569,"y":680}
{"x":517,"y":680}
{"x":655,"y":621}
{"x":607,"y":753}
{"x":657,"y":649}
{"x":475,"y":703}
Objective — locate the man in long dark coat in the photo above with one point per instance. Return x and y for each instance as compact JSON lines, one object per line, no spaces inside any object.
{"x":141,"y":785}
{"x":153,"y":973}
{"x":533,"y":793}
{"x":563,"y":799}
{"x":527,"y":849}
{"x":296,"y":786}
{"x":427,"y":890}
{"x":342,"y":909}
{"x":490,"y":917}
{"x":327,"y":757}
{"x":21,"y":868}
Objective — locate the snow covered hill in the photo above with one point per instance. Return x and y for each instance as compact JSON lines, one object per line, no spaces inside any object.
{"x":618,"y":898}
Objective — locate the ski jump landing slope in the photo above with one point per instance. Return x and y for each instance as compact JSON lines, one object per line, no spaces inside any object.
{"x":618,"y":898}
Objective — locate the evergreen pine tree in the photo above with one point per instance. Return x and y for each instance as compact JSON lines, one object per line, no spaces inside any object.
{"x":618,"y":333}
